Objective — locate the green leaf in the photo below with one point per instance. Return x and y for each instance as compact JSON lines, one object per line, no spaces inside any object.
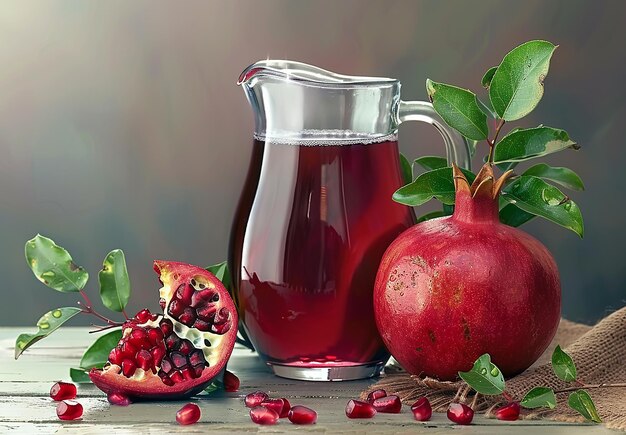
{"x":517,"y":85}
{"x":563,"y":176}
{"x":221,"y":272}
{"x":97,"y":354}
{"x":459,"y":109}
{"x":79,"y":376}
{"x":405,"y":167}
{"x":433,"y":184}
{"x":486,"y":80}
{"x":484,"y":377}
{"x":514,"y":216}
{"x":214,"y":386}
{"x":582,"y":402}
{"x":539,"y":397}
{"x":53,"y":265}
{"x":47,"y":324}
{"x":563,"y":365}
{"x":431,"y":215}
{"x":114,"y":282}
{"x":431,"y":162}
{"x":530,"y":143}
{"x":535,"y":196}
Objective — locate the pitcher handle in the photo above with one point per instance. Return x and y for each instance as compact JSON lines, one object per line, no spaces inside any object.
{"x":457,"y":147}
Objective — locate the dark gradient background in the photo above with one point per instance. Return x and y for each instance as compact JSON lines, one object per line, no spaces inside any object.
{"x":121,"y":125}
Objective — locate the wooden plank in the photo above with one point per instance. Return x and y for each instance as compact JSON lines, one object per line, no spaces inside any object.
{"x":26,"y":408}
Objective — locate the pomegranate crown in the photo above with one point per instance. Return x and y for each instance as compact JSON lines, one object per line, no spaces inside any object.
{"x":485,"y":184}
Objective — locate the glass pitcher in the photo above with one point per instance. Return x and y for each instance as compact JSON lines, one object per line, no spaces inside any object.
{"x":316,"y":215}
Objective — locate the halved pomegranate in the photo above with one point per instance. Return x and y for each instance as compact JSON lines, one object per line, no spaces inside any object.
{"x":179,"y":353}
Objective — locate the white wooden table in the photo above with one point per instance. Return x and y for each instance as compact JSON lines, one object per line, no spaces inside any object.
{"x":25,"y":406}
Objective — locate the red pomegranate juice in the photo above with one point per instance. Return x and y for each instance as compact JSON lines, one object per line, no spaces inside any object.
{"x":312,"y":225}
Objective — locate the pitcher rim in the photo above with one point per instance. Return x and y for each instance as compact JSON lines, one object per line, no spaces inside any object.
{"x":304,"y":73}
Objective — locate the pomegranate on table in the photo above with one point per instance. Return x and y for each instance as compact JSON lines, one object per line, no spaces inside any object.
{"x":179,"y":353}
{"x":451,"y":289}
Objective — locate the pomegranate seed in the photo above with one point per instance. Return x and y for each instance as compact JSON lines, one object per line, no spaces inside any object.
{"x":358,"y":409}
{"x":128,"y":368}
{"x":460,"y":413}
{"x":178,"y":359}
{"x":422,"y":411}
{"x":62,"y":391}
{"x":167,"y":327}
{"x":137,"y":336}
{"x":128,"y":350}
{"x":155,"y":336}
{"x":144,"y":359}
{"x":231,"y":382}
{"x":188,"y":373}
{"x":188,"y":414}
{"x":263,"y":415}
{"x":286,"y":407}
{"x":276,"y":405}
{"x":255,"y":399}
{"x":157,"y":355}
{"x":143,"y":316}
{"x":177,"y":377}
{"x":376,"y":394}
{"x":166,"y":365}
{"x":302,"y":415}
{"x":186,"y":347}
{"x":69,"y":410}
{"x":509,"y":412}
{"x":118,"y":399}
{"x":115,"y":356}
{"x":388,"y":404}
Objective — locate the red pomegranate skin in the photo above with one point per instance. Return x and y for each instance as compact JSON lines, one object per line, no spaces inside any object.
{"x":451,"y":289}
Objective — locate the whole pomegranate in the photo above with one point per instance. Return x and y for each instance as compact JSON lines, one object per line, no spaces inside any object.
{"x":179,"y":353}
{"x":451,"y":289}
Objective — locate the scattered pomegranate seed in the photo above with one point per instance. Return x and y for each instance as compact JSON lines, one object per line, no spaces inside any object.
{"x":302,"y":415}
{"x":255,"y":399}
{"x":188,"y":414}
{"x":231,"y":382}
{"x":376,"y":394}
{"x":358,"y":409}
{"x":263,"y":415}
{"x":460,"y":413}
{"x":63,"y":391}
{"x":508,"y":412}
{"x":118,"y":399}
{"x":69,"y":410}
{"x":388,"y":404}
{"x":277,"y":405}
{"x":286,"y":408}
{"x":422,"y":411}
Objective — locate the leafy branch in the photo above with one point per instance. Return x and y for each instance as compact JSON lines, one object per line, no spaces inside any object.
{"x":54,"y":267}
{"x":485,"y":378}
{"x":515,"y":88}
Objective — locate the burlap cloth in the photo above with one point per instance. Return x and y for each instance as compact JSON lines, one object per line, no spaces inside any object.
{"x":599,"y":353}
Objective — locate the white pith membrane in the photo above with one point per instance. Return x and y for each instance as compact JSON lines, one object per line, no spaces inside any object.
{"x":195,"y":336}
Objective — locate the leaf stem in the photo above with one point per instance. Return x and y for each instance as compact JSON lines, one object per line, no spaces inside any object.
{"x":591,"y":386}
{"x":103,"y":328}
{"x":124,"y":313}
{"x":88,"y":309}
{"x":474,"y":400}
{"x":492,"y":143}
